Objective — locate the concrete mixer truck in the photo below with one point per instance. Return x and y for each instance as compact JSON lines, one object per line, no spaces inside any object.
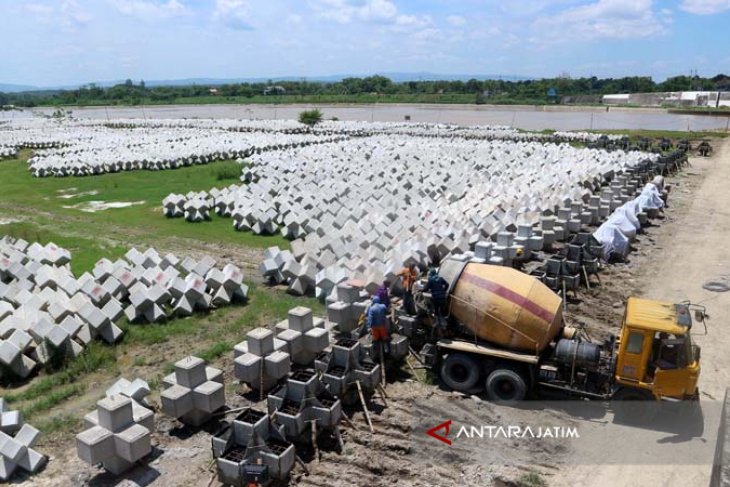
{"x":505,"y":335}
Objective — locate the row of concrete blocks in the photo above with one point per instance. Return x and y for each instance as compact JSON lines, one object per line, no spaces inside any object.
{"x":17,"y":439}
{"x":150,"y":284}
{"x":280,"y":266}
{"x":265,"y":358}
{"x":106,"y":156}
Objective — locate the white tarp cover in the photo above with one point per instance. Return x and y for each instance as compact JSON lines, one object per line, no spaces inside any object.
{"x":629,"y":211}
{"x":653,"y":197}
{"x":612,"y":240}
{"x":621,"y":220}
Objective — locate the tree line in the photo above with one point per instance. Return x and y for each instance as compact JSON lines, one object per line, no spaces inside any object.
{"x":370,"y":88}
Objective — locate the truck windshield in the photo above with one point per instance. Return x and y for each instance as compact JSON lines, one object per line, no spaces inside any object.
{"x":675,"y":352}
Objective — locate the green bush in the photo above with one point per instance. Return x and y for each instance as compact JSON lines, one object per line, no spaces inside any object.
{"x":228,"y":170}
{"x":310,"y":117}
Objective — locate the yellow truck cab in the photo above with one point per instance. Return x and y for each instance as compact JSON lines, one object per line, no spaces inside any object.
{"x":655,"y":352}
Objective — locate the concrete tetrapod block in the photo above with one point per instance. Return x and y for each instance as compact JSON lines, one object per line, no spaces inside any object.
{"x":116,"y":441}
{"x":16,"y":442}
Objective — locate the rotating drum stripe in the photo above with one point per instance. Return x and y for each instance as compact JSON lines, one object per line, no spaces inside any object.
{"x":509,"y":295}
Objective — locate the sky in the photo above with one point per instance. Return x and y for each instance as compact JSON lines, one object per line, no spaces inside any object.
{"x":64,"y":42}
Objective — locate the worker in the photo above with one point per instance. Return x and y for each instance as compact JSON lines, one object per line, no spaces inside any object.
{"x":408,"y":276}
{"x":377,"y":323}
{"x":438,"y":287}
{"x":384,"y":294}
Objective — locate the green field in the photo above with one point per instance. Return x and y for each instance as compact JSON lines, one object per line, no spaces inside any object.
{"x":45,"y":215}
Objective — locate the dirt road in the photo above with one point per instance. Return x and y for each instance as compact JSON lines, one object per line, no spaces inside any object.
{"x":694,"y":251}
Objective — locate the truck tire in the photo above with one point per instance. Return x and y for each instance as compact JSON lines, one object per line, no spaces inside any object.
{"x":506,"y":386}
{"x":461,"y":372}
{"x":634,"y":406}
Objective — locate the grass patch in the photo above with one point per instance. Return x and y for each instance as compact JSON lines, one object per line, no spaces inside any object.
{"x":63,"y":423}
{"x":532,"y":479}
{"x":51,"y":399}
{"x":96,"y":357}
{"x":43,"y":205}
{"x":216,"y":351}
{"x":227,"y":171}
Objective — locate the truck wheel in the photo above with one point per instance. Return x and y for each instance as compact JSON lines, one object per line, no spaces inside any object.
{"x":461,"y":372}
{"x":634,"y":406}
{"x":506,"y":386}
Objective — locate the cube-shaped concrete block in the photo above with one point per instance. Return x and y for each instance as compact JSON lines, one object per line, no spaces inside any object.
{"x":177,"y":401}
{"x":190,"y":372}
{"x":209,"y":396}
{"x":95,"y":445}
{"x":300,"y":319}
{"x":339,"y":312}
{"x":10,"y":449}
{"x":115,"y":412}
{"x":260,"y":341}
{"x":277,"y":364}
{"x":113,"y":310}
{"x":248,"y":367}
{"x":133,"y":443}
{"x":316,"y":340}
{"x":294,"y":341}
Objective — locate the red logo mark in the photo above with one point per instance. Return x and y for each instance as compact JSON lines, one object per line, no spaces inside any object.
{"x":446,"y":426}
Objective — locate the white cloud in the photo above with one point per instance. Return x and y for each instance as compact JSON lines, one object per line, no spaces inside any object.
{"x":68,"y":14}
{"x":603,"y":19}
{"x":705,"y":7}
{"x":233,"y":13}
{"x":150,"y":10}
{"x":456,"y":20}
{"x":372,"y":11}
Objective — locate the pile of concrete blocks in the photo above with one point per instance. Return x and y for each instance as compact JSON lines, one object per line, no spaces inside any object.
{"x":47,"y":314}
{"x":149,"y":287}
{"x":253,"y":440}
{"x":16,"y":444}
{"x":301,"y":401}
{"x":305,"y":336}
{"x":194,"y":392}
{"x":116,"y":441}
{"x":261,"y":361}
{"x":280,"y":266}
{"x":416,"y":205}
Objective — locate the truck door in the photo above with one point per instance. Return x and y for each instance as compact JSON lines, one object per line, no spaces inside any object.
{"x":671,"y":375}
{"x":633,"y":354}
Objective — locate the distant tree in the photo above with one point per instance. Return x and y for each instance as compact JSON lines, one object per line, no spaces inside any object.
{"x":310,"y":117}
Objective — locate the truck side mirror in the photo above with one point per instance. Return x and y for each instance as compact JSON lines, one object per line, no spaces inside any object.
{"x":699,"y":315}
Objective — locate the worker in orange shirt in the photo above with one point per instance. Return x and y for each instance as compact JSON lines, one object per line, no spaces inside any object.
{"x":408,"y":275}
